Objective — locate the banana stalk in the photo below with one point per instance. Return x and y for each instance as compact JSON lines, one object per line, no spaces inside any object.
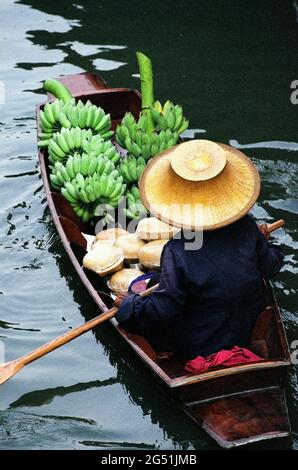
{"x":59,"y":90}
{"x":146,"y":77}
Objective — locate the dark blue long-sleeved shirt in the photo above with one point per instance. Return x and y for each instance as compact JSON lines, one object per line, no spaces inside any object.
{"x":208,"y":299}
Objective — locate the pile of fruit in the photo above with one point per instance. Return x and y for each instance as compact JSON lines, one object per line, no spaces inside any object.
{"x":83,"y":162}
{"x":85,"y":165}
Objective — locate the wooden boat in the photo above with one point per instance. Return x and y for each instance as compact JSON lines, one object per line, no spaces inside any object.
{"x":236,"y":405}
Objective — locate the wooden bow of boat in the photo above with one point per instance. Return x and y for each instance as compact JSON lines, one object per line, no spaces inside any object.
{"x":235,"y":405}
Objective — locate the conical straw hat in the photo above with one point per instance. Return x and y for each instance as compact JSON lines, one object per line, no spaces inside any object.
{"x":218,"y":189}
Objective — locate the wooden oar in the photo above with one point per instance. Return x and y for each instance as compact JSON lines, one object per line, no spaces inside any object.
{"x":9,"y":369}
{"x":276,"y":225}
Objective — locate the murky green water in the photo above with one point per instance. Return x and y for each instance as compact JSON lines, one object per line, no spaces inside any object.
{"x":230,"y":63}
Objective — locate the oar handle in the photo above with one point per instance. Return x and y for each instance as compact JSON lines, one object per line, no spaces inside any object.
{"x":276,"y":225}
{"x":67,"y":337}
{"x":149,"y":291}
{"x":72,"y":334}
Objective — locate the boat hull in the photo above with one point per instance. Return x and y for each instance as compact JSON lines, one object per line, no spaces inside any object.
{"x":236,"y":405}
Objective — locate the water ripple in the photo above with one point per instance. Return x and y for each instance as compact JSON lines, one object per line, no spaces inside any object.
{"x":274,"y":144}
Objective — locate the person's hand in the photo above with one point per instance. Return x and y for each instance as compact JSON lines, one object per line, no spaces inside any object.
{"x":118,"y":300}
{"x":264,"y":230}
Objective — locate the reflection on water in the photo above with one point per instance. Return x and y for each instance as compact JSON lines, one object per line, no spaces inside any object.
{"x":40,"y":397}
{"x":233,"y":78}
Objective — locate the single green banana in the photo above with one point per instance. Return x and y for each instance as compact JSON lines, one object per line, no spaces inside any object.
{"x":179,"y":117}
{"x":49,"y":113}
{"x":158,"y":106}
{"x":62,"y":143}
{"x":171,"y":119}
{"x":90,"y":193}
{"x":86,"y":159}
{"x":63,"y":121}
{"x":79,"y":209}
{"x":117,"y":191}
{"x":132,"y":168}
{"x":74,"y":117}
{"x":92,"y":165}
{"x":82,"y":114}
{"x":96,"y":118}
{"x":125,"y":172}
{"x":70,"y":167}
{"x":77,"y":137}
{"x":45,"y":124}
{"x":103,"y":183}
{"x":77,"y":164}
{"x":86,"y":216}
{"x":135,"y":192}
{"x":71,"y":188}
{"x":90,"y":116}
{"x":68,"y":136}
{"x":184,"y":126}
{"x":82,"y":194}
{"x":68,"y":196}
{"x":100,"y":165}
{"x":97,"y":190}
{"x":55,"y":149}
{"x":54,"y":181}
{"x":109,"y":167}
{"x":105,"y":123}
{"x":156,"y":114}
{"x":65,"y":174}
{"x":57,"y":106}
{"x":110,"y":186}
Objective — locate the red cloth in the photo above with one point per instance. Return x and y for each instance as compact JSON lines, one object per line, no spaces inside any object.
{"x":224,"y":358}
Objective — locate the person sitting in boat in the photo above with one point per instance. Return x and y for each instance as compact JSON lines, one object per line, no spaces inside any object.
{"x":209,"y":296}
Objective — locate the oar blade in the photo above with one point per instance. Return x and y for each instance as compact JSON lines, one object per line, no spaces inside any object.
{"x":8,"y":370}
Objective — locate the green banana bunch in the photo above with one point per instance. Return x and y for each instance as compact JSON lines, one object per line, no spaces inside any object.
{"x":58,"y":115}
{"x":51,"y":120}
{"x":132,"y":135}
{"x":131,"y":169}
{"x":85,"y":164}
{"x":112,"y":188}
{"x":77,"y":140}
{"x":149,"y":145}
{"x":135,"y":207}
{"x":67,"y":142}
{"x":99,"y":188}
{"x":85,"y":193}
{"x":89,"y":116}
{"x":127,"y":128}
{"x":101,"y":147}
{"x":169,"y":116}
